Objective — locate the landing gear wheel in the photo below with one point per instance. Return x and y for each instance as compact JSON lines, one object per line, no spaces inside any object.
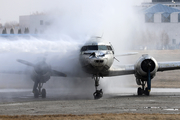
{"x":98,"y":94}
{"x":43,"y":93}
{"x":36,"y":93}
{"x":139,"y":91}
{"x":146,"y":92}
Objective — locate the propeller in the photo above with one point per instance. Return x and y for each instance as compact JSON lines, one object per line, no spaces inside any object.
{"x":148,"y":66}
{"x":42,"y":68}
{"x":26,"y":62}
{"x":149,"y":80}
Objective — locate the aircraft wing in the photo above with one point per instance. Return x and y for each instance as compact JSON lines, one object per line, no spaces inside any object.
{"x":14,"y":72}
{"x":165,"y":66}
{"x":120,"y":70}
{"x":126,"y":54}
{"x":57,"y":73}
{"x":129,"y":69}
{"x":53,"y":72}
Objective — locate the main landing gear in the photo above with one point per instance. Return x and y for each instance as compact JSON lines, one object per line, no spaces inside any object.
{"x":38,"y":91}
{"x":146,"y":90}
{"x":143,"y":90}
{"x":98,"y":93}
{"x":148,"y":67}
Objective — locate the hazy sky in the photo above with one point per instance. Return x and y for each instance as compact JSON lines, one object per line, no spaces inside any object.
{"x":12,"y":9}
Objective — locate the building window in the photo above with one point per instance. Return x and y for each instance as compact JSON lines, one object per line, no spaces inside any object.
{"x":47,"y":23}
{"x":149,"y":17}
{"x":174,"y":41}
{"x":165,"y":17}
{"x":41,"y":22}
{"x":178,"y":17}
{"x":165,"y":0}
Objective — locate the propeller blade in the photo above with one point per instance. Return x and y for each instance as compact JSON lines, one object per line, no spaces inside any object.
{"x":116,"y":59}
{"x":57,"y":73}
{"x":149,"y":80}
{"x":25,"y":62}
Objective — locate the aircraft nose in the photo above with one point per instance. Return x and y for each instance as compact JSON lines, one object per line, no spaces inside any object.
{"x":97,"y":59}
{"x":98,"y":62}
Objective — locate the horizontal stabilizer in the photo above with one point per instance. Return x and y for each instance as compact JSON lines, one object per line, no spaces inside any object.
{"x":25,"y":62}
{"x":57,"y":73}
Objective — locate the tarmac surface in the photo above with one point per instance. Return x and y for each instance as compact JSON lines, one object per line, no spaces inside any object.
{"x":22,"y":102}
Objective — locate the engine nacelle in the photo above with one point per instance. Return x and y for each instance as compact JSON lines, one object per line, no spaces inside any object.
{"x":144,"y":64}
{"x":41,"y":78}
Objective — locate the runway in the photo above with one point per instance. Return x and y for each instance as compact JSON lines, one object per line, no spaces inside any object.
{"x":22,"y":102}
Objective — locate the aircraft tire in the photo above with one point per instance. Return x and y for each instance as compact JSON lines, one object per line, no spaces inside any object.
{"x":139,"y":91}
{"x":98,"y":94}
{"x":147,"y":92}
{"x":43,"y":93}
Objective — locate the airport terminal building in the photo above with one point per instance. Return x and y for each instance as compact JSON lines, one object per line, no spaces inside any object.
{"x":169,"y":3}
{"x":29,"y":24}
{"x":162,"y":18}
{"x":35,"y":23}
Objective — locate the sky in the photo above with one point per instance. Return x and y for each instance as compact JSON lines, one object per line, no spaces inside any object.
{"x":12,"y":9}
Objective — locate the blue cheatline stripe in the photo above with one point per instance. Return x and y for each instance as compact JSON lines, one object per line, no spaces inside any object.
{"x":17,"y":35}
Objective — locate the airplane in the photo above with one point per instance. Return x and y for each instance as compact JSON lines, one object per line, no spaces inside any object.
{"x":41,"y":73}
{"x":97,"y":57}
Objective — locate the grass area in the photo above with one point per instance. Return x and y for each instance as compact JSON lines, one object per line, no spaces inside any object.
{"x":124,"y":116}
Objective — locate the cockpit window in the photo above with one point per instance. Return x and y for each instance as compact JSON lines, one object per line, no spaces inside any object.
{"x":96,"y":47}
{"x":92,"y":47}
{"x":84,"y":48}
{"x":109,"y":47}
{"x":102,"y":47}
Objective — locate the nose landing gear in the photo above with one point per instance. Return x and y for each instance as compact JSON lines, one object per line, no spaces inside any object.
{"x":98,"y":93}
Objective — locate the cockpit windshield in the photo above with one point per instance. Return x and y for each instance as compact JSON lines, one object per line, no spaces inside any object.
{"x":93,"y":47}
{"x":96,"y":47}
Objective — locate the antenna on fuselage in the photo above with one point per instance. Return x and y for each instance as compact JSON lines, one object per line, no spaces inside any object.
{"x":116,"y":59}
{"x":113,"y":51}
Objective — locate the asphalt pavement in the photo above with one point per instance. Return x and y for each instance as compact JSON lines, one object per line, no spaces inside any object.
{"x":22,"y":102}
